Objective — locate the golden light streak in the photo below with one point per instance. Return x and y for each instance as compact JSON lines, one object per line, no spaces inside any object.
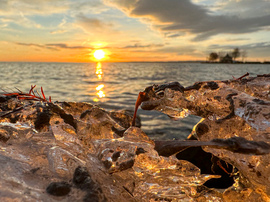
{"x":100,"y":92}
{"x":99,"y":72}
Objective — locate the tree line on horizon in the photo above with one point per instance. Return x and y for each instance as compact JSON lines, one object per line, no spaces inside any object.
{"x":229,"y":57}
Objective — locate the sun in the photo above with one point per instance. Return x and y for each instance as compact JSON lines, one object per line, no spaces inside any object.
{"x":99,"y":54}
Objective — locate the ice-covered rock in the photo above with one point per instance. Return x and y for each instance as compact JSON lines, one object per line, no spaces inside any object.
{"x":67,"y":151}
{"x":231,"y":108}
{"x":81,"y":152}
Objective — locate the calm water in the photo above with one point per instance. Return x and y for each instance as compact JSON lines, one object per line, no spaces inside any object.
{"x":116,"y":85}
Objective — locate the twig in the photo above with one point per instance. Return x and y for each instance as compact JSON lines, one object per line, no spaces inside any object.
{"x":31,"y":90}
{"x":220,"y":165}
{"x":42,"y":93}
{"x":246,"y":74}
{"x":140,"y":99}
{"x":30,"y":96}
{"x":234,"y":144}
{"x":18,"y":90}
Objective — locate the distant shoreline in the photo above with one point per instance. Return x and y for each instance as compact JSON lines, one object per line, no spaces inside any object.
{"x":237,"y":62}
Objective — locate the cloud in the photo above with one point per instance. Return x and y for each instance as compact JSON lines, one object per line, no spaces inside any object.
{"x":13,"y":10}
{"x":169,"y":35}
{"x":59,"y":31}
{"x":260,"y":49}
{"x":237,"y":39}
{"x":162,"y":48}
{"x":139,"y":46}
{"x":65,"y":46}
{"x":32,"y":7}
{"x":91,"y":25}
{"x":86,"y":6}
{"x":31,"y":44}
{"x":250,"y":46}
{"x":21,"y":12}
{"x":186,"y":17}
{"x":4,"y":5}
{"x":246,"y":8}
{"x":57,"y":46}
{"x":179,"y":50}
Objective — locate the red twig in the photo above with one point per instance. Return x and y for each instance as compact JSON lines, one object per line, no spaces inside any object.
{"x":220,"y":165}
{"x":10,"y":94}
{"x":246,"y":74}
{"x":42,"y":93}
{"x":30,"y":96}
{"x":31,"y":90}
{"x":140,"y":99}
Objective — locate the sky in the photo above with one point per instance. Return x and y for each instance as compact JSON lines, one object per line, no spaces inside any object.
{"x":132,"y":30}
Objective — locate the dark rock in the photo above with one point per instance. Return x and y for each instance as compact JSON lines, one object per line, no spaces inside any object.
{"x":116,"y":155}
{"x":82,"y":179}
{"x":43,"y":120}
{"x":127,"y":164}
{"x":176,"y":86}
{"x":3,"y":98}
{"x":58,"y":188}
{"x":211,"y":85}
{"x":140,"y":151}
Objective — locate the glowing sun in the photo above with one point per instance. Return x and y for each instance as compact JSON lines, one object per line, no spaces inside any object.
{"x":99,"y":54}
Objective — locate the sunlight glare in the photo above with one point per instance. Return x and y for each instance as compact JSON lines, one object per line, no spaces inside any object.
{"x":99,"y":54}
{"x":99,"y":87}
{"x":101,"y":94}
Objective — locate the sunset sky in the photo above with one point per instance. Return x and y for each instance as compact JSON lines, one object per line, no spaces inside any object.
{"x":132,"y":30}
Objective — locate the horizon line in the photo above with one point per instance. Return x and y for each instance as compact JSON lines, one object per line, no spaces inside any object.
{"x":169,"y":61}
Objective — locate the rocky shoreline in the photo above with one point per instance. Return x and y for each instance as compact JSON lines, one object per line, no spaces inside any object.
{"x":67,"y":151}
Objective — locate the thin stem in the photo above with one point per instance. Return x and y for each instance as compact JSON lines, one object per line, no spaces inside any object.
{"x":140,"y":99}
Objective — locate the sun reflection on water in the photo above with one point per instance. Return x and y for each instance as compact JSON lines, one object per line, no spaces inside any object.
{"x":100,"y":92}
{"x":100,"y":88}
{"x":99,"y":72}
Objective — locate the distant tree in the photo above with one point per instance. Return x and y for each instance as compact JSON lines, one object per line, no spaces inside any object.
{"x":235,"y":54}
{"x":221,"y":55}
{"x":244,"y":55}
{"x":226,"y":59}
{"x":213,"y":56}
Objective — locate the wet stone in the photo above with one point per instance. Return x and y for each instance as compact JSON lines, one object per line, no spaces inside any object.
{"x":4,"y":135}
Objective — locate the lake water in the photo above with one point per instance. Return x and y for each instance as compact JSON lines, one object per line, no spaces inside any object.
{"x":115,"y":86}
